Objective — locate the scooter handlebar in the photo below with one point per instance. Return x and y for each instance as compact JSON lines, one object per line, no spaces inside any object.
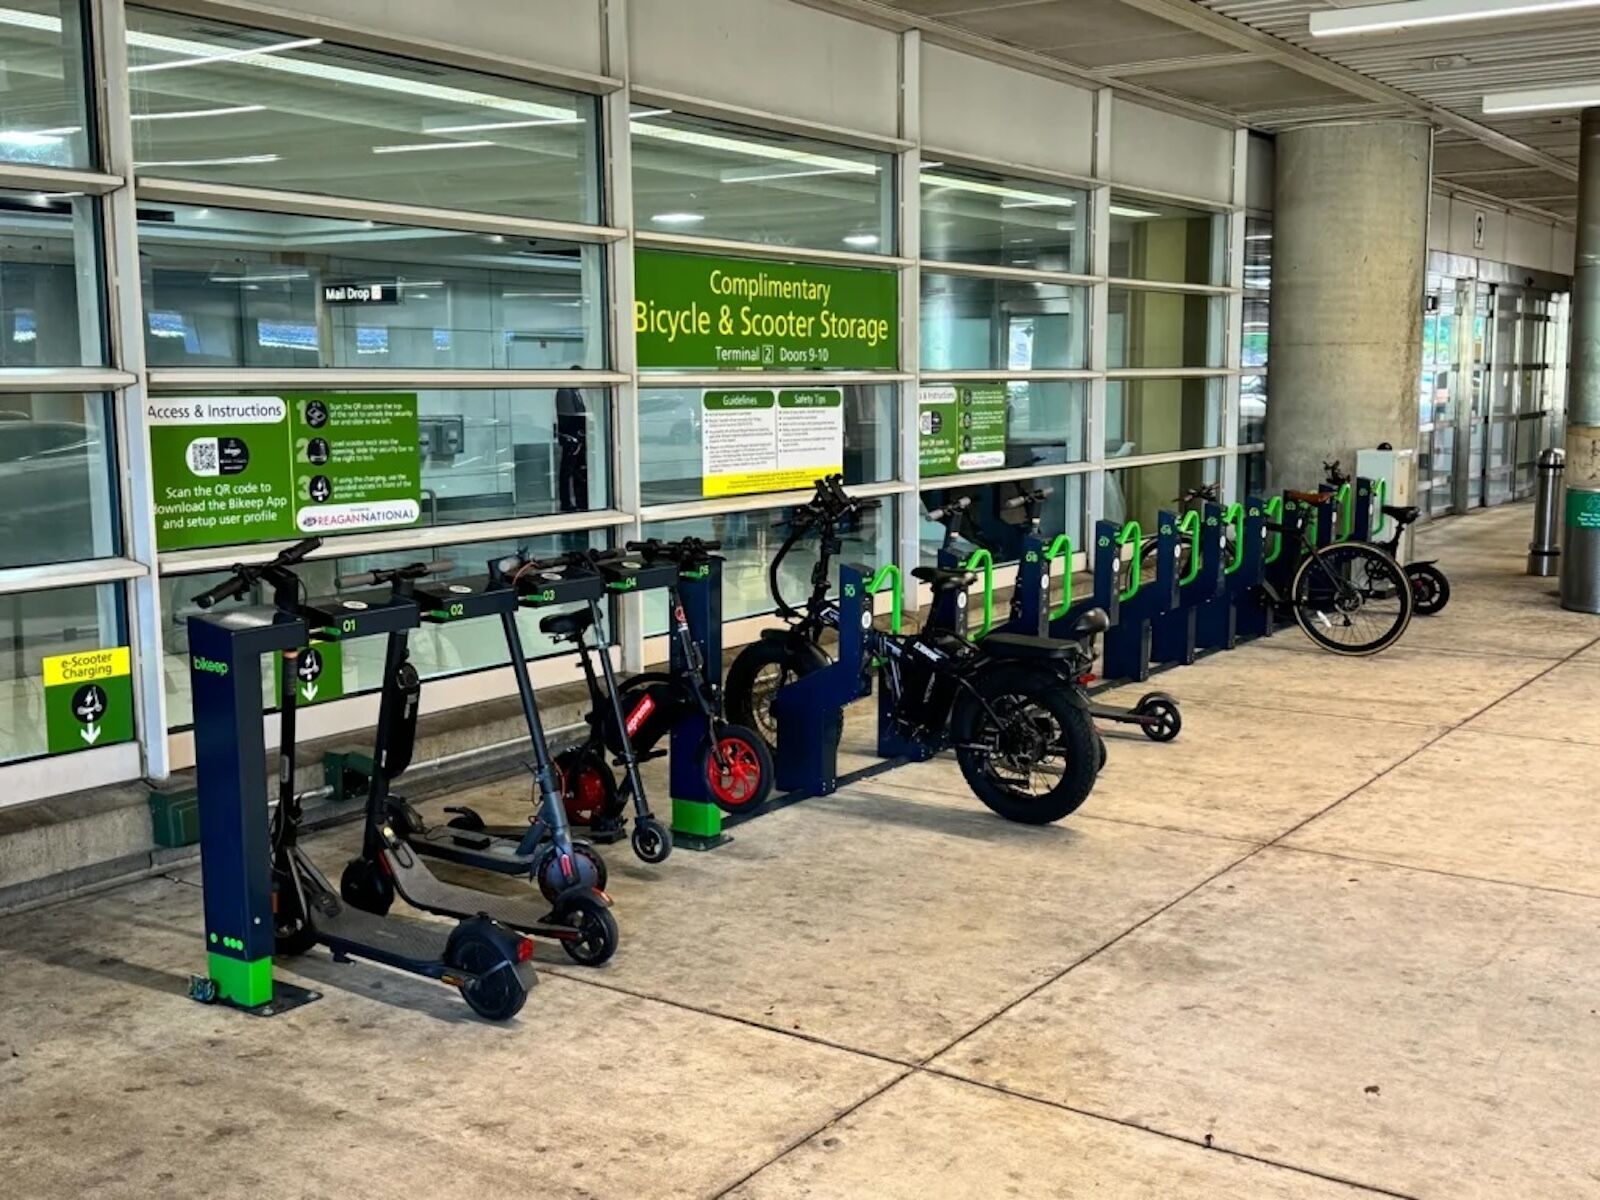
{"x":242,"y":577}
{"x":954,"y":508}
{"x":382,"y":575}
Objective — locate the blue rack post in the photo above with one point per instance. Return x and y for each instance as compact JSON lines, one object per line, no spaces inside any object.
{"x":1128,"y":642}
{"x":696,"y":819}
{"x":1108,"y":537}
{"x":810,"y":710}
{"x":1175,"y":637}
{"x":1221,"y":620}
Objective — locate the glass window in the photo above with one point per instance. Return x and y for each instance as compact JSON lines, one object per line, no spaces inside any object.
{"x":1162,"y":416}
{"x":1045,"y":422}
{"x":50,"y":303}
{"x":489,"y":454}
{"x":971,"y":324}
{"x":1164,"y":242}
{"x":998,"y":220}
{"x":437,"y":651}
{"x":671,"y":456}
{"x":1163,"y":329}
{"x":988,"y":524}
{"x":1257,"y":291}
{"x":233,"y":288}
{"x":1139,"y":493}
{"x":40,"y":625}
{"x":749,"y":542}
{"x":44,"y":117}
{"x":694,"y":175}
{"x":1252,"y":409}
{"x":227,"y":104}
{"x":57,"y":502}
{"x":1253,"y":473}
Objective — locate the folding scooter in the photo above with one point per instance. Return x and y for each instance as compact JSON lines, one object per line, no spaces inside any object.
{"x":490,"y":963}
{"x":580,"y":917}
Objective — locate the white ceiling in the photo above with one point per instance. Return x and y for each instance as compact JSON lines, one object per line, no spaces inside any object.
{"x":1254,"y":61}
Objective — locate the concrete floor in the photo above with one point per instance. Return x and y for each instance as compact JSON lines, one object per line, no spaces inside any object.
{"x":1340,"y":939}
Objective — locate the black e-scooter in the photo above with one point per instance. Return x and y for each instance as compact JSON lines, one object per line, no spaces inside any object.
{"x":490,"y":964}
{"x":579,"y":917}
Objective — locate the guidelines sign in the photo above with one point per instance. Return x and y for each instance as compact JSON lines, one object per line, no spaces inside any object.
{"x":697,"y":312}
{"x":265,"y":468}
{"x":758,"y":440}
{"x":963,"y":428}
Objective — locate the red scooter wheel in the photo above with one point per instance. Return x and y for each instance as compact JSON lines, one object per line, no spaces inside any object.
{"x":737,"y":770}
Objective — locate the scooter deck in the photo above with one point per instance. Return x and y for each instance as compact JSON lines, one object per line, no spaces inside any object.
{"x":395,"y":941}
{"x":421,"y":888}
{"x":485,"y":851}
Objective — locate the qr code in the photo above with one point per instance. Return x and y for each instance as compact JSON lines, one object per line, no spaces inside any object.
{"x":203,"y":457}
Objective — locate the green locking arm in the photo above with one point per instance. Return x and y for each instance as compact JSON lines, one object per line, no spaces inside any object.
{"x":1132,"y":533}
{"x":1061,"y":548}
{"x":885,"y":574}
{"x":1345,"y":498}
{"x":1273,"y":510}
{"x":1234,"y":515}
{"x":985,"y":560}
{"x":1380,"y":496}
{"x":1190,"y":524}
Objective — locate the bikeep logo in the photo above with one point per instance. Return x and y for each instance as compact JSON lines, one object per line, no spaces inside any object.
{"x":210,"y":666}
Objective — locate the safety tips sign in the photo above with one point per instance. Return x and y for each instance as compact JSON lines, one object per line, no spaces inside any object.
{"x":260,"y":468}
{"x":318,"y":673}
{"x":963,"y":428}
{"x":88,"y":700}
{"x":761,"y":440}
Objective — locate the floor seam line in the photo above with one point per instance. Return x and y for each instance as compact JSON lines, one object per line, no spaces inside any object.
{"x":1344,"y":856}
{"x":1182,"y":1139}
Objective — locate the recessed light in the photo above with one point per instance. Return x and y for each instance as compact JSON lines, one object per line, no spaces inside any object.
{"x":862,"y":241}
{"x":678,"y":218}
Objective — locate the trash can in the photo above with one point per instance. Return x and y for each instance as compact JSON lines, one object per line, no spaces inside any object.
{"x":1580,"y":558}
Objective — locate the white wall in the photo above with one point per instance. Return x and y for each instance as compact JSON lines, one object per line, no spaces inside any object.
{"x":772,"y":55}
{"x":557,"y":33}
{"x":1167,"y":153}
{"x":975,"y":106}
{"x":1508,"y":237}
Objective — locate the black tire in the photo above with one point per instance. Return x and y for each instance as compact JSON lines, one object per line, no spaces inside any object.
{"x":1351,"y":598}
{"x":1430,"y":590}
{"x":755,"y":676}
{"x":499,"y":993}
{"x":547,"y":871}
{"x":1038,"y":723}
{"x":292,"y":931}
{"x":747,"y":781}
{"x":366,"y":886}
{"x":598,"y":934}
{"x":1101,"y":766}
{"x":1164,"y":709}
{"x":652,"y":841}
{"x":468,"y":821}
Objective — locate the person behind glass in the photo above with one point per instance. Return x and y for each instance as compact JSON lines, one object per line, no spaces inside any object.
{"x":572,"y":438}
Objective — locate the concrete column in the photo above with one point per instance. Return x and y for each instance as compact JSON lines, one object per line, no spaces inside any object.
{"x":1349,"y":262}
{"x":1580,"y":561}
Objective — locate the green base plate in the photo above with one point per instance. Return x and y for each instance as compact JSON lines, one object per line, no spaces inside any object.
{"x":694,"y":841}
{"x":285,"y":998}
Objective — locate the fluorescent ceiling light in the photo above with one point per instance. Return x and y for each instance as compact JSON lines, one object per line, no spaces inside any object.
{"x":227,"y":55}
{"x":242,"y":160}
{"x":278,"y":277}
{"x":1137,"y":214}
{"x":753,"y":149}
{"x":763,"y":174}
{"x":678,"y":218}
{"x":1552,"y":99}
{"x":416,"y":147}
{"x":31,"y":139}
{"x":1010,"y":197}
{"x":572,"y":119}
{"x":1416,"y":14}
{"x":646,"y":113}
{"x":186,"y":114}
{"x":1258,"y":237}
{"x":862,"y":241}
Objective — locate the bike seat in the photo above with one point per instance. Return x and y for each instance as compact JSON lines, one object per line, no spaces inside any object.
{"x":1312,"y":497}
{"x":944,"y":579}
{"x":1093,"y":622}
{"x":1404,"y":514}
{"x":568,"y":624}
{"x":1023,"y":646}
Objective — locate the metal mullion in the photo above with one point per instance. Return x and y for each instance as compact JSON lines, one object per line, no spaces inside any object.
{"x":1170,"y":456}
{"x":682,"y":510}
{"x":209,"y":378}
{"x":1192,"y":289}
{"x":743,"y":379}
{"x":1003,"y":376}
{"x":1099,"y":308}
{"x":54,"y":577}
{"x":1007,"y":475}
{"x":189,"y":562}
{"x":1233,"y":322}
{"x":1067,"y":278}
{"x":1000,"y":166}
{"x":907,"y":534}
{"x":1130,"y":192}
{"x":1171,"y":372}
{"x":761,"y":121}
{"x":738,"y":249}
{"x":57,"y":179}
{"x":64,"y":379}
{"x":227,"y":195}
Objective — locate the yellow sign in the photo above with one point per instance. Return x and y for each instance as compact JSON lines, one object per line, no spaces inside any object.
{"x":86,"y":666}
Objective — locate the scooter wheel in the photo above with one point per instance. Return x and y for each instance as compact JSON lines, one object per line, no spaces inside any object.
{"x":588,"y":787}
{"x":1161,"y":711}
{"x":596,"y":928}
{"x":589,"y":870}
{"x":366,"y":886}
{"x":742,"y":780}
{"x":467,"y":820}
{"x":203,"y":989}
{"x":1430,"y":590}
{"x":652,"y":841}
{"x":1101,"y":742}
{"x":497,"y":994}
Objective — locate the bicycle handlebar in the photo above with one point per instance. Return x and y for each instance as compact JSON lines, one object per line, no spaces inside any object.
{"x":242,"y":577}
{"x":381,"y":575}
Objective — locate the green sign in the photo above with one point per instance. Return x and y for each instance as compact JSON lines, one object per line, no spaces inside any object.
{"x":1583,"y":509}
{"x":698,"y":312}
{"x":318,"y":672}
{"x":88,"y":700}
{"x":963,"y":428}
{"x":232,"y":469}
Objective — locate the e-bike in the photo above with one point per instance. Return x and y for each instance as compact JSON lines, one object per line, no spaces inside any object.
{"x":1430,"y":587}
{"x":579,"y":917}
{"x":489,"y":963}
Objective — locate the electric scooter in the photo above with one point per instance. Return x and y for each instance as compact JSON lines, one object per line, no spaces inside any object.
{"x":490,"y":963}
{"x":580,"y":918}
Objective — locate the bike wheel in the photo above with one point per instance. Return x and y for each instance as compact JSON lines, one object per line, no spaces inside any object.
{"x":1430,"y":590}
{"x":737,"y":769}
{"x":755,"y":676}
{"x":588,"y":786}
{"x":1351,"y":598}
{"x":1027,"y":751}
